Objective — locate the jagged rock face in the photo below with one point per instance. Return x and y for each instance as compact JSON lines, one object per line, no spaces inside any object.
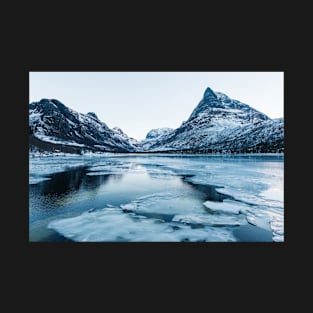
{"x":52,"y":122}
{"x":208,"y":102}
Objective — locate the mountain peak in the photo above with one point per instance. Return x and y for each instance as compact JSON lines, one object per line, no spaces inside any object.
{"x":48,"y":105}
{"x":209,"y":93}
{"x":209,"y":100}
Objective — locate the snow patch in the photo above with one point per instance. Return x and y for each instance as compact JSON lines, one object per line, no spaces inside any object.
{"x":57,"y":140}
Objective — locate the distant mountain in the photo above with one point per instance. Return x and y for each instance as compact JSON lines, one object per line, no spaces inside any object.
{"x":221,"y":124}
{"x":154,"y":138}
{"x":217,"y":124}
{"x":53,"y":126}
{"x":131,"y":141}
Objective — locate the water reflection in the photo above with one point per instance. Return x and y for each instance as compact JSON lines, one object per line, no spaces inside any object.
{"x":65,"y":182}
{"x":68,"y":191}
{"x":75,"y":188}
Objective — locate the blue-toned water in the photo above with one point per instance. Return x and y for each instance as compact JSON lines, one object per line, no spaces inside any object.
{"x":134,"y":197}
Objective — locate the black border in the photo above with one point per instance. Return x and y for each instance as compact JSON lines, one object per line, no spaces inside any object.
{"x":122,"y":255}
{"x":245,"y":276}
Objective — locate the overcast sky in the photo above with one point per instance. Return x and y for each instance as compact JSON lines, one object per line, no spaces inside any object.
{"x":140,"y":101}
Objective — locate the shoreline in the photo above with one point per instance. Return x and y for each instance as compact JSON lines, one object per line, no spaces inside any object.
{"x":158,"y":153}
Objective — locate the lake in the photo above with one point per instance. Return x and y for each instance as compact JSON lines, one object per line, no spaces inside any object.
{"x":156,"y":198}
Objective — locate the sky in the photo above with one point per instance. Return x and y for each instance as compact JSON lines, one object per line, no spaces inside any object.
{"x":137,"y":102}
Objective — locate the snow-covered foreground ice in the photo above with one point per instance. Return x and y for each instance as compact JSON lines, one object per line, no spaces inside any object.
{"x":163,"y":197}
{"x":112,"y":224}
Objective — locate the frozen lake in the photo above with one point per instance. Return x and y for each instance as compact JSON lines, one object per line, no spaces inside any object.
{"x":160,"y":198}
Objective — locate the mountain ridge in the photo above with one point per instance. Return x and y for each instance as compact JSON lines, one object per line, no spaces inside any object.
{"x":217,"y":124}
{"x":54,"y":126}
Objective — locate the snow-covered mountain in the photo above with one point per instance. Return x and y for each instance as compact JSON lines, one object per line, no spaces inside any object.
{"x":131,"y":141}
{"x":217,"y":124}
{"x":53,"y":126}
{"x":155,"y":137}
{"x":221,"y":124}
{"x":158,"y":132}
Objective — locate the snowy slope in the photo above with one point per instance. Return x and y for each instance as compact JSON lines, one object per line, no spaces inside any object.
{"x":158,"y":132}
{"x":155,"y":137}
{"x":221,"y":124}
{"x":52,"y":125}
{"x":120,"y":134}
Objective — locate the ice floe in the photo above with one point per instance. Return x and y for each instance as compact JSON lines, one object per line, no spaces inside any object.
{"x":112,"y":224}
{"x":227,"y":206}
{"x":210,"y":219}
{"x":164,"y":203}
{"x":277,"y":226}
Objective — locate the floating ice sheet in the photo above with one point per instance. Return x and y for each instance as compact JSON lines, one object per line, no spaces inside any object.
{"x":260,"y":219}
{"x":227,"y":206}
{"x":277,"y":226}
{"x":114,"y":167}
{"x":164,"y":203}
{"x":112,"y":224}
{"x":210,"y":219}
{"x":54,"y":164}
